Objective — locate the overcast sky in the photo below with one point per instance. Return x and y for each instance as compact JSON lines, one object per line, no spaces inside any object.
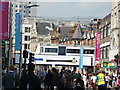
{"x":71,"y":9}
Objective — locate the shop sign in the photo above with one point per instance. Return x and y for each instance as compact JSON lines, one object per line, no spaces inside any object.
{"x":98,"y":65}
{"x":112,"y":65}
{"x":105,"y":64}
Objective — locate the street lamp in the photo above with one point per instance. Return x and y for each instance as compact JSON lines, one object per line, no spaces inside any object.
{"x":28,"y":7}
{"x":31,"y":6}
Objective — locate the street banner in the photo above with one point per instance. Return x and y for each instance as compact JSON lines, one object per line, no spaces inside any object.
{"x":18,"y":33}
{"x":81,"y":58}
{"x":98,"y":46}
{"x":4,"y":20}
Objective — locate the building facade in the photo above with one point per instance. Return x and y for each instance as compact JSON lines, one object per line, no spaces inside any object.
{"x":115,"y":29}
{"x":105,"y":30}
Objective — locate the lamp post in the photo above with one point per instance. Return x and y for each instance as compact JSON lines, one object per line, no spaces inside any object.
{"x":27,"y":9}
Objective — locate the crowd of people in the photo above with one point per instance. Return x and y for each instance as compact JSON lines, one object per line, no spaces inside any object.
{"x":53,"y":79}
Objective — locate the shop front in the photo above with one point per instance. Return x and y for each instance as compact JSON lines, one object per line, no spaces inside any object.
{"x":109,"y":67}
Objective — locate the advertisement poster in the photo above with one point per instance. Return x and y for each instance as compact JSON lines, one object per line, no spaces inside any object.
{"x":18,"y":33}
{"x":98,"y":46}
{"x":4,"y":20}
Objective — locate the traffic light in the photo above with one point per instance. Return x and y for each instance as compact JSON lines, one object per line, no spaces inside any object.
{"x":25,"y":53}
{"x":116,"y":58}
{"x":31,"y":57}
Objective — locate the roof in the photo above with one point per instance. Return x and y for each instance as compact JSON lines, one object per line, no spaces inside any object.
{"x":64,"y":30}
{"x":43,"y":28}
{"x":78,"y":33}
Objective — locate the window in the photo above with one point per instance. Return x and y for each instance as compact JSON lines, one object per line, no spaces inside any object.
{"x":73,"y":51}
{"x":87,"y":51}
{"x":15,"y":10}
{"x":54,"y":50}
{"x":41,"y":50}
{"x":74,"y":42}
{"x":106,"y":30}
{"x":19,"y":10}
{"x":108,"y":48}
{"x":15,"y":5}
{"x":62,"y":50}
{"x":27,"y":38}
{"x":27,"y":29}
{"x":26,"y":46}
{"x":104,"y":33}
{"x":101,"y":33}
{"x":104,"y":51}
{"x":118,"y":11}
{"x":100,"y":53}
{"x":20,"y":6}
{"x":78,"y":42}
{"x":109,"y":28}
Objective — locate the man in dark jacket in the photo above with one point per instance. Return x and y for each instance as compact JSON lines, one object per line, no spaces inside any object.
{"x":30,"y":81}
{"x":10,"y":79}
{"x":48,"y":80}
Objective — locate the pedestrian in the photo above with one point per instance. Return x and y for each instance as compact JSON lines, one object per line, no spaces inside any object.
{"x":10,"y":79}
{"x":79,"y":84}
{"x":84,"y":77}
{"x":56,"y":79}
{"x":100,"y":81}
{"x":62,"y":79}
{"x":93,"y":78}
{"x":42,"y":74}
{"x":117,"y":83}
{"x":107,"y":77}
{"x":111,"y":80}
{"x":77,"y":76}
{"x":69,"y":80}
{"x":30,"y":81}
{"x":48,"y":80}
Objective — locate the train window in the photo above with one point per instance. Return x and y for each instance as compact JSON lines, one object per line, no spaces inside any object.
{"x":62,"y":51}
{"x":73,"y":50}
{"x":87,"y":51}
{"x":54,"y":50}
{"x":41,"y":49}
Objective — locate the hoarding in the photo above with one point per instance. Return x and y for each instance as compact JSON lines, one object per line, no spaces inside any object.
{"x":98,"y":46}
{"x":4,"y":20}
